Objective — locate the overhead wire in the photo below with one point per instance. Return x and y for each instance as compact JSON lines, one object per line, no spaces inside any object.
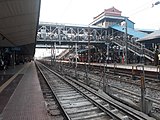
{"x":146,"y":6}
{"x":66,"y":8}
{"x":142,"y":8}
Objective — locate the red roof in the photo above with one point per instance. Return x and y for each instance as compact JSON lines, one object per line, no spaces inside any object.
{"x":111,"y":12}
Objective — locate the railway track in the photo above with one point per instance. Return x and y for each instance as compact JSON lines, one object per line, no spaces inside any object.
{"x":149,"y":75}
{"x":79,"y":102}
{"x":54,"y":109}
{"x":122,"y":88}
{"x":124,"y":76}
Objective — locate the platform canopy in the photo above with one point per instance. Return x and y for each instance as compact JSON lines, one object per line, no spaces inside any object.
{"x":18,"y":23}
{"x":130,"y":31}
{"x":152,"y":37}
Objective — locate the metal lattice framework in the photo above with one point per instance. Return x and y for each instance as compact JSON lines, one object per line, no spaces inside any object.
{"x":70,"y":33}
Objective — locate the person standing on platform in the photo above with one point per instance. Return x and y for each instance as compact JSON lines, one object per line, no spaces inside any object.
{"x":158,"y":58}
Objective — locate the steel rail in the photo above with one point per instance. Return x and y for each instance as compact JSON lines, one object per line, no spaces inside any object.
{"x":136,"y":116}
{"x":127,"y":91}
{"x":135,"y":94}
{"x":66,"y":82}
{"x":129,"y":112}
{"x":104,"y":109}
{"x":57,"y":100}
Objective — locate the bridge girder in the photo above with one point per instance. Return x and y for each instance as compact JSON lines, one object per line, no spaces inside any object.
{"x":67,"y":32}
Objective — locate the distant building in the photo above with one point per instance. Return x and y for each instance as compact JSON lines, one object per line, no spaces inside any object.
{"x":113,"y":20}
{"x":110,"y":17}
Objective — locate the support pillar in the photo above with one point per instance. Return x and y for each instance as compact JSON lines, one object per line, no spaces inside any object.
{"x":126,"y":43}
{"x":104,"y":78}
{"x":76,"y":60}
{"x":148,"y":106}
{"x":143,"y":92}
{"x":13,"y":59}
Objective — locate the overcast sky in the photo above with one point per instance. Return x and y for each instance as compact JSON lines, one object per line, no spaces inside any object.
{"x":82,"y":11}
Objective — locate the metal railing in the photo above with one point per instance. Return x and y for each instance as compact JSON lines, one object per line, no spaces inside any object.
{"x":135,"y":47}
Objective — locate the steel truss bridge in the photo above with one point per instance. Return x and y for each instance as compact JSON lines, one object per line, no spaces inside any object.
{"x":70,"y":34}
{"x":51,"y":34}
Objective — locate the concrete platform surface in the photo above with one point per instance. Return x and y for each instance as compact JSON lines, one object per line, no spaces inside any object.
{"x":27,"y":102}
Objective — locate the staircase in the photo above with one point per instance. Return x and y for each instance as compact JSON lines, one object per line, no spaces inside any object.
{"x":63,"y":54}
{"x":135,"y":47}
{"x":66,"y":53}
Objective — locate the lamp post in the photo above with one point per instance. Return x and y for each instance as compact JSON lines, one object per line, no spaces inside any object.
{"x":76,"y":60}
{"x":126,"y":43}
{"x":89,"y":47}
{"x":52,"y":54}
{"x":89,"y":57}
{"x":105,"y":82}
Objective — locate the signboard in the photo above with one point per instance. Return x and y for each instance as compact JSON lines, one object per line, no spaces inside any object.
{"x":16,"y":49}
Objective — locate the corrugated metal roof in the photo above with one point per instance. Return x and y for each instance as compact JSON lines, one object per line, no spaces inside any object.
{"x":154,"y":35}
{"x":130,"y":31}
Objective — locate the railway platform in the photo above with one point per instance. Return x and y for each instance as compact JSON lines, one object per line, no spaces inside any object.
{"x":127,"y":66}
{"x":26,"y":102}
{"x":146,"y":68}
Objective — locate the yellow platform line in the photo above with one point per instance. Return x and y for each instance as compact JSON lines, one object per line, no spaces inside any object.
{"x":11,"y":79}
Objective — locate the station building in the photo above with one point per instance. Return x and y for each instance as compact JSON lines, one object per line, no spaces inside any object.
{"x":119,"y":27}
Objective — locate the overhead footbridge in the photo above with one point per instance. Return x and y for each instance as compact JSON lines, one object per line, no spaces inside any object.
{"x":69,"y":34}
{"x":50,"y":34}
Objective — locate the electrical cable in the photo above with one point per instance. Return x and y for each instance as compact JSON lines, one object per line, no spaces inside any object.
{"x":142,"y":8}
{"x":66,"y":8}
